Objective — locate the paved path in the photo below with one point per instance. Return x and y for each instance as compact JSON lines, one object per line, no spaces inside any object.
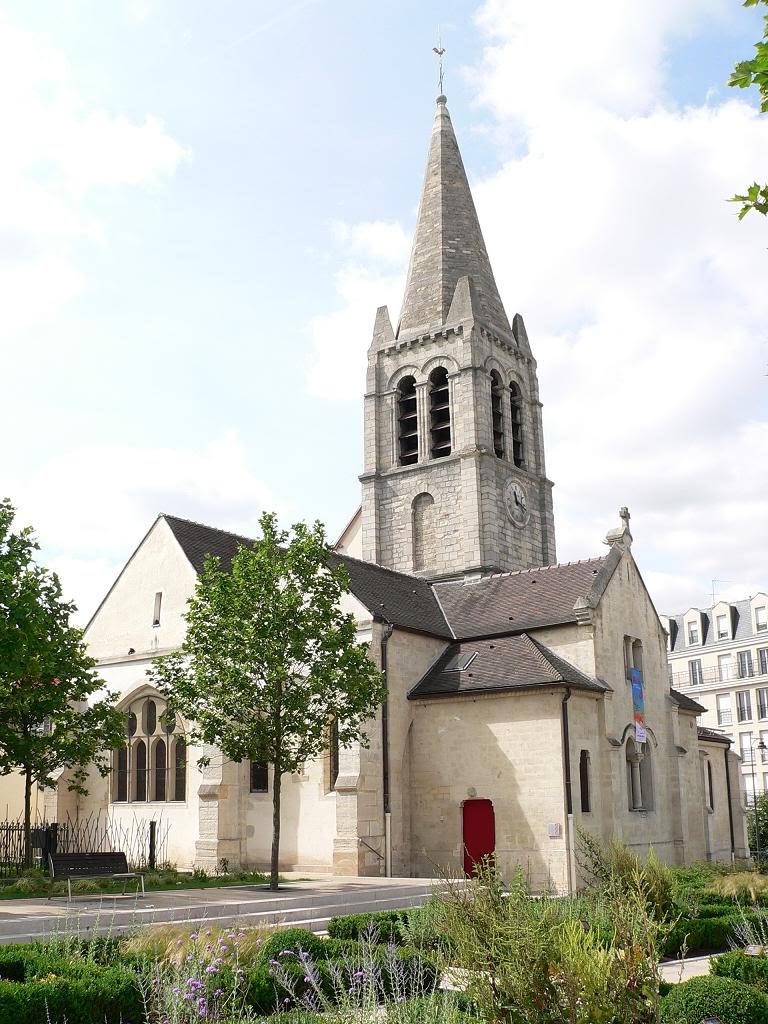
{"x":305,"y":904}
{"x":682,"y":970}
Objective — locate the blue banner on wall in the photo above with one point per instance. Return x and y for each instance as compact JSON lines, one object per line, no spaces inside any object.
{"x":638,"y":703}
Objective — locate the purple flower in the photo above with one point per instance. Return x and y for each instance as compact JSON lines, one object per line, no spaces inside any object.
{"x":211,"y":969}
{"x":286,"y":952}
{"x":194,"y":935}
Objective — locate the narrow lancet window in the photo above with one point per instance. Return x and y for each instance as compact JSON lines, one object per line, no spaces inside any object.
{"x":161,"y":767}
{"x":423,"y":532}
{"x":516,"y":408}
{"x":407,"y":422}
{"x":439,"y":414}
{"x":497,"y":415}
{"x":180,"y":769}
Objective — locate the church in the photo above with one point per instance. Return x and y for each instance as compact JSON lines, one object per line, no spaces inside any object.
{"x":526,"y":699}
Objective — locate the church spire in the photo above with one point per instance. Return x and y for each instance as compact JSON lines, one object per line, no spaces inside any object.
{"x":448,"y":243}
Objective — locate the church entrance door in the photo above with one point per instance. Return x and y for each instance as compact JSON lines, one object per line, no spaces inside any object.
{"x":479,"y":833}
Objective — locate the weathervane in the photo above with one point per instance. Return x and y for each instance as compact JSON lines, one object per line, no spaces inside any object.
{"x":439,"y":50}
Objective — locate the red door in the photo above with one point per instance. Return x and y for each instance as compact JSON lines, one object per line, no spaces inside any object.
{"x":479,"y":833}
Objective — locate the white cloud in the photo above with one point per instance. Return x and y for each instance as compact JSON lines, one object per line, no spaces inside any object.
{"x":57,"y":149}
{"x":644,"y":297}
{"x":101,"y":499}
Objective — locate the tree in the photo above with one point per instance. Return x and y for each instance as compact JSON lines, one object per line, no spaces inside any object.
{"x":745,"y":74}
{"x":270,"y":663}
{"x":757,"y":817}
{"x":46,"y":678}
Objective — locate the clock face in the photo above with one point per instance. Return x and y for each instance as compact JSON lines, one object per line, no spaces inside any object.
{"x":516,"y":502}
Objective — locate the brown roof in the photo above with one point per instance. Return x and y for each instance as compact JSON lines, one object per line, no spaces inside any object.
{"x":711,"y":736}
{"x":509,"y":663}
{"x":515,"y":601}
{"x":686,"y":703}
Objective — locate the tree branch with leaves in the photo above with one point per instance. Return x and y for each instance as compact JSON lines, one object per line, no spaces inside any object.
{"x":746,"y":74}
{"x":270,"y":661}
{"x":49,"y":720}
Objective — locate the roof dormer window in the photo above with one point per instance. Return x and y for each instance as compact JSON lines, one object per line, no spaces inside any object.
{"x":723,"y":633}
{"x":693,"y":633}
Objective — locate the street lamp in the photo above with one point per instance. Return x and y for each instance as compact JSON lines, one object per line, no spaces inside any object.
{"x":762,"y":748}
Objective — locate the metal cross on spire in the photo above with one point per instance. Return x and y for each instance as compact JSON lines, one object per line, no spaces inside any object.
{"x":439,"y":50}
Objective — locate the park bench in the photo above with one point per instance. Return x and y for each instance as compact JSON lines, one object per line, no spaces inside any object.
{"x":92,"y":865}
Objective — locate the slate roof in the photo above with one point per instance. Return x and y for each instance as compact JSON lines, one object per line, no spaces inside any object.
{"x":509,"y":663}
{"x":686,"y":703}
{"x":405,"y":600}
{"x":711,"y":736}
{"x":516,"y":601}
{"x":742,"y":628}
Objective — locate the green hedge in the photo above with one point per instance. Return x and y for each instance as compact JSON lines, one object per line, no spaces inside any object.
{"x":354,"y":926}
{"x":704,"y":933}
{"x":105,"y":995}
{"x":296,"y":940}
{"x":753,"y":970}
{"x":731,"y":1000}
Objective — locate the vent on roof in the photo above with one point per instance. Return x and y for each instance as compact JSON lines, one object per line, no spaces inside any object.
{"x":460,"y":662}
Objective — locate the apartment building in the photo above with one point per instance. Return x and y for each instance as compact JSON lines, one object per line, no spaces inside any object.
{"x":719,"y":656}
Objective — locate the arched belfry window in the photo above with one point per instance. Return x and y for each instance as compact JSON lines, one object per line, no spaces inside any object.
{"x":439,"y":414}
{"x":497,"y":414}
{"x":516,"y":408}
{"x":407,"y":422}
{"x":423,"y":532}
{"x":153,"y":763}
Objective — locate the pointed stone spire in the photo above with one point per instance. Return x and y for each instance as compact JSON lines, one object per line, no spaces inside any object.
{"x":448,"y":243}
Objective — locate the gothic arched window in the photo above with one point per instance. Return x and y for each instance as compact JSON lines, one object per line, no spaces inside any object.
{"x":439,"y":414}
{"x":151,"y":766}
{"x":584,"y":781}
{"x":516,"y":408}
{"x":497,"y":414}
{"x":160,"y":768}
{"x":423,"y":515}
{"x":407,"y":422}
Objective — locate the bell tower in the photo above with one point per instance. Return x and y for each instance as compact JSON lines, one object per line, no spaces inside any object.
{"x":454,"y":480}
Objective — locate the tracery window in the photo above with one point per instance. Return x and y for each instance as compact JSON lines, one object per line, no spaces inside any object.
{"x":407,"y":422}
{"x":153,"y":763}
{"x":439,"y":414}
{"x":497,"y":414}
{"x":516,"y":408}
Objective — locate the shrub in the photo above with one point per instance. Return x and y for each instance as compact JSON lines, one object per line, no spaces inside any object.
{"x":744,"y":885}
{"x":704,"y":933}
{"x":354,"y":926}
{"x":294,"y":939}
{"x":99,"y":996}
{"x":752,"y":970}
{"x":731,"y":1000}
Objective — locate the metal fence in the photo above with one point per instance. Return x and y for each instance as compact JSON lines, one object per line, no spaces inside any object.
{"x":144,"y":841}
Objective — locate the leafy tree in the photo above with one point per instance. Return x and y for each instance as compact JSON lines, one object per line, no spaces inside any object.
{"x":46,"y":677}
{"x":270,"y":661}
{"x":757,"y":819}
{"x":745,"y":74}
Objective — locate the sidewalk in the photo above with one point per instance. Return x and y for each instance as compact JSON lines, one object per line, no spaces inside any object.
{"x":308,"y":904}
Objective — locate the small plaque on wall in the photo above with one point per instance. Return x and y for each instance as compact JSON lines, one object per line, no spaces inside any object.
{"x":554,"y":830}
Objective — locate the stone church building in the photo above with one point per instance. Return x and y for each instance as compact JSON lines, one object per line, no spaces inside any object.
{"x":526,"y":698}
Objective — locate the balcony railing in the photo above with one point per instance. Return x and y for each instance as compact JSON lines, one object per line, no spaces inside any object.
{"x":715,"y":675}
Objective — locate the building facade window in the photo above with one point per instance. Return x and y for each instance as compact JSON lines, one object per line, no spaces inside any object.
{"x":764,"y":741}
{"x":516,"y":409}
{"x":694,"y":673}
{"x":497,"y":413}
{"x":710,"y":788}
{"x":749,"y":790}
{"x":259,"y":777}
{"x":725,"y":667}
{"x":762,"y":660}
{"x":746,"y":747}
{"x":153,"y":764}
{"x":744,"y":705}
{"x":761,"y":619}
{"x":158,"y":606}
{"x":693,"y":632}
{"x":745,"y":664}
{"x":584,"y":781}
{"x":724,"y":713}
{"x":407,"y":422}
{"x":333,"y":754}
{"x":723,"y":632}
{"x":762,"y":703}
{"x":439,"y":414}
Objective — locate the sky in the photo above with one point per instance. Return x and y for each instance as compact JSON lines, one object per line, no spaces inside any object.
{"x":201,"y":207}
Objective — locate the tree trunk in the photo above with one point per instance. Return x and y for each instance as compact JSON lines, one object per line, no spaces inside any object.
{"x":276,"y":781}
{"x":27,"y":817}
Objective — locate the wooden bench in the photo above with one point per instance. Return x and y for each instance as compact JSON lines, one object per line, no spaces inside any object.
{"x":92,"y":865}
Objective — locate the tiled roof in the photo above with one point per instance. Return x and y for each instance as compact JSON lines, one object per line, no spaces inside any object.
{"x":509,"y":663}
{"x":711,"y":736}
{"x":516,"y":601}
{"x":407,"y":601}
{"x":686,"y":703}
